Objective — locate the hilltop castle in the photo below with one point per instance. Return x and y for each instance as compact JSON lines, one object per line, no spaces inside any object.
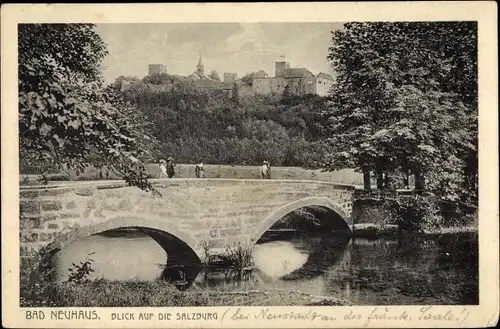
{"x":298,"y":81}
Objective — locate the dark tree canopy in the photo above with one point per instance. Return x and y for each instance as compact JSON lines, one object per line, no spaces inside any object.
{"x":405,"y":98}
{"x":214,"y":75}
{"x":66,"y":116}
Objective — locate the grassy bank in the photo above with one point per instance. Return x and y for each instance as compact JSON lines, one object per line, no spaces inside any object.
{"x":105,"y":293}
{"x":345,"y":176}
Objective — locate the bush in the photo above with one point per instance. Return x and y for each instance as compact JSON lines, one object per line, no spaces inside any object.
{"x":415,"y":213}
{"x":79,"y":274}
{"x":237,"y":255}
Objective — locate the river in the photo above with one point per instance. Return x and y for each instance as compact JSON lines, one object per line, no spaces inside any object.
{"x":409,"y":269}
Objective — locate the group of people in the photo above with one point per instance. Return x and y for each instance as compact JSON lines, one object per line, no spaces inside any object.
{"x":167,"y":169}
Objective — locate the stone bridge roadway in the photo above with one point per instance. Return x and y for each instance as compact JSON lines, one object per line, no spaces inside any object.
{"x":192,"y":215}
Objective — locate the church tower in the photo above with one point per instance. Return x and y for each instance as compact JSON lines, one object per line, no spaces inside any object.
{"x":199,"y":68}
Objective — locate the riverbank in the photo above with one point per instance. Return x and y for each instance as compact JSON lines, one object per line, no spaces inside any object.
{"x":375,"y":231}
{"x":105,"y":293}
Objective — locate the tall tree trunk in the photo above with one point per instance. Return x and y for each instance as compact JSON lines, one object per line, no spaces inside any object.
{"x":406,"y":178}
{"x":380,"y":178}
{"x":366,"y":180}
{"x":388,"y":180}
{"x":419,"y":181}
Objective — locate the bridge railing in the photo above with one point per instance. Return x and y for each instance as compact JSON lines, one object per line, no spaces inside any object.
{"x":201,"y":181}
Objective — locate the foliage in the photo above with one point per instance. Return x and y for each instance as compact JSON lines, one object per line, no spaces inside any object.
{"x":235,"y":95}
{"x":157,"y":79}
{"x":405,"y":99}
{"x":104,"y":293}
{"x":248,"y":78}
{"x":119,"y":81}
{"x":80,"y":273}
{"x":66,"y":117}
{"x":230,"y":128}
{"x":238,"y":255}
{"x":214,"y":75}
{"x":415,"y":213}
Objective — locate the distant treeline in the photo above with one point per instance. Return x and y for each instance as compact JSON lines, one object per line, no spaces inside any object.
{"x":222,"y":127}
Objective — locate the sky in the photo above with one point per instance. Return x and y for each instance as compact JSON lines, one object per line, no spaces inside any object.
{"x":224,"y":47}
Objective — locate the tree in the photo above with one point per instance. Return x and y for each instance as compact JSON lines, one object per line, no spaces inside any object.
{"x":235,"y":95}
{"x":157,"y":79}
{"x":248,"y":78}
{"x":119,"y":81}
{"x":65,"y":113}
{"x":214,"y":75}
{"x":405,"y":99}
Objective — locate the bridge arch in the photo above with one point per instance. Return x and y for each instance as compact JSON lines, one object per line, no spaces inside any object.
{"x":281,"y":212}
{"x":178,"y":244}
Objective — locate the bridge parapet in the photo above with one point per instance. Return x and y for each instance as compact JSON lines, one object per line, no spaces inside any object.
{"x":216,"y":212}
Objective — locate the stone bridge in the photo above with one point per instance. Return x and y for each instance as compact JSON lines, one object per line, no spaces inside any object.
{"x":190,"y":217}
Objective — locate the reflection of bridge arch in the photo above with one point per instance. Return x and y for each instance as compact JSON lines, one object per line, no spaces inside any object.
{"x":331,"y":252}
{"x":178,"y":245}
{"x":275,"y":216}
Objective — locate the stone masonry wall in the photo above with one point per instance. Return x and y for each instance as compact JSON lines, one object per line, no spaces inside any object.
{"x":213,"y":211}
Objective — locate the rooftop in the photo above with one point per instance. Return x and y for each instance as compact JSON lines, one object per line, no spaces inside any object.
{"x":298,"y":73}
{"x":260,"y":74}
{"x":208,"y":83}
{"x":324,"y":76}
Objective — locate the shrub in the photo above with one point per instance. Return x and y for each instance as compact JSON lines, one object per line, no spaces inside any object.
{"x":415,"y":213}
{"x":35,"y":285}
{"x":236,"y":255}
{"x":79,"y":274}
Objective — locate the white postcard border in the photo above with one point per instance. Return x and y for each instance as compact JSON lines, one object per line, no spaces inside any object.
{"x":468,"y":316}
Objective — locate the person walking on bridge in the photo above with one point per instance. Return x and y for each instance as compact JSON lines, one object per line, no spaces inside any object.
{"x":199,"y":171}
{"x":170,"y":167}
{"x":265,"y":171}
{"x":163,"y":169}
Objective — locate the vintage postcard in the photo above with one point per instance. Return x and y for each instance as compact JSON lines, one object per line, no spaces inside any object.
{"x":279,"y":165}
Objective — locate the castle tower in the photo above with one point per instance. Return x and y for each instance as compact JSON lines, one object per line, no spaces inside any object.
{"x":157,"y":69}
{"x":280,"y":67}
{"x":199,"y":68}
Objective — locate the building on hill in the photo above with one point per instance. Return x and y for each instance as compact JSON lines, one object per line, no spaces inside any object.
{"x":157,"y":69}
{"x":323,"y":83}
{"x":207,"y":84}
{"x":280,"y":67}
{"x":300,"y":81}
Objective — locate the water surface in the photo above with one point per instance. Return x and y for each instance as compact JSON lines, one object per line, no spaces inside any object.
{"x":409,"y":269}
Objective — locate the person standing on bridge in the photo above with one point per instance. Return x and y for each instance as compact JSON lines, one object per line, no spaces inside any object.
{"x":199,"y":171}
{"x":163,"y":169}
{"x":170,"y":167}
{"x":265,"y":171}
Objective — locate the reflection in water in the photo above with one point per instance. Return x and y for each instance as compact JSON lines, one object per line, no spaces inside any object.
{"x":410,"y":270}
{"x":329,"y":251}
{"x":122,"y":257}
{"x":285,"y":258}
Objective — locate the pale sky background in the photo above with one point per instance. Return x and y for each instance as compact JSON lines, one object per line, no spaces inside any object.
{"x":224,"y":47}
